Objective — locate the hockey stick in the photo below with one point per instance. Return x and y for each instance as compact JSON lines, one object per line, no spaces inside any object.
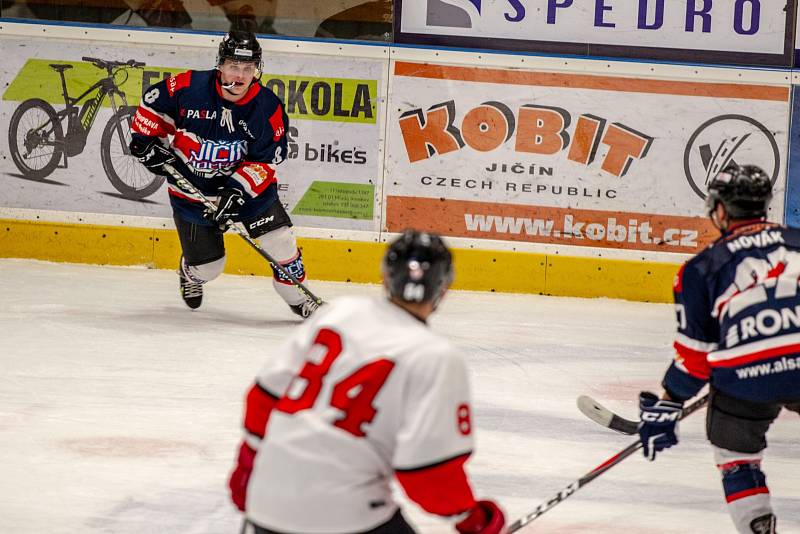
{"x":187,"y":186}
{"x":593,"y":474}
{"x":603,"y":416}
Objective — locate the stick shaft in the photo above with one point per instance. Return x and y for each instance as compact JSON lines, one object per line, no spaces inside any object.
{"x":187,"y":186}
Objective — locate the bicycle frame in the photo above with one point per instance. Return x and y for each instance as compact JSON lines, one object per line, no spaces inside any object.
{"x":107,"y":87}
{"x":36,"y":126}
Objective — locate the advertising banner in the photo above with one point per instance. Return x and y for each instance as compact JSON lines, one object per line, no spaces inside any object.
{"x":792,"y":211}
{"x":571,"y":159}
{"x":743,"y":32}
{"x":72,"y":157}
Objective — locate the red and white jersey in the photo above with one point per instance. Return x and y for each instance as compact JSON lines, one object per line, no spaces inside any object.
{"x":361,"y":392}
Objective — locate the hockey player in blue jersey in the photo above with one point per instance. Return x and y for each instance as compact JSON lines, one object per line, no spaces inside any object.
{"x":738,"y":312}
{"x":224,"y":132}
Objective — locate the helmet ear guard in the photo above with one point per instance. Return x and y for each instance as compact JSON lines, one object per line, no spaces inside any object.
{"x":417,"y":267}
{"x":744,"y":190}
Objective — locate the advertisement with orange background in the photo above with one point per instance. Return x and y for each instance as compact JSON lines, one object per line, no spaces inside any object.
{"x":560,"y":226}
{"x":572,"y":158}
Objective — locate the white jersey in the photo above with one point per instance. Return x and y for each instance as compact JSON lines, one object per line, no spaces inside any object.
{"x":366,"y":389}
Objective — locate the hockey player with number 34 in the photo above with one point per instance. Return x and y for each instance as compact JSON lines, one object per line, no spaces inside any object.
{"x":738,"y":311}
{"x":362,"y":393}
{"x":223,"y":132}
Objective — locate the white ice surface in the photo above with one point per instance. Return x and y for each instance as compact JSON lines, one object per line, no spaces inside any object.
{"x":120,"y":408}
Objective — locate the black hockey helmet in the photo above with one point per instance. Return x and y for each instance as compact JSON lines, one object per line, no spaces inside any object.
{"x":744,"y":190}
{"x":239,"y":45}
{"x":417,"y":267}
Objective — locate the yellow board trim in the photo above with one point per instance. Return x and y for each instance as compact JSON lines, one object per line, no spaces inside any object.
{"x":346,"y":261}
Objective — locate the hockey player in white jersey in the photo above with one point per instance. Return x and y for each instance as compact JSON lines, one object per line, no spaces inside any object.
{"x":362,"y":393}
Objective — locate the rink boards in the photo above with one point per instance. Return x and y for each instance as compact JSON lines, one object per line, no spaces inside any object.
{"x":345,"y":260}
{"x":552,"y":175}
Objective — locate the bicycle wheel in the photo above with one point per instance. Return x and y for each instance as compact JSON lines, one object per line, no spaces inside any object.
{"x":124,"y":171}
{"x":35,"y":138}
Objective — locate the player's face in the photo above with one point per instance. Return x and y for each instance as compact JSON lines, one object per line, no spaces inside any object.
{"x":236,"y":76}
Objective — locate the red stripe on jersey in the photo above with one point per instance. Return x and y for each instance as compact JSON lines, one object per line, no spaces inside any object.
{"x":677,"y":282}
{"x":151,"y":124}
{"x":441,"y":489}
{"x":258,"y":175}
{"x":176,"y":193}
{"x":251,"y":93}
{"x":750,"y":226}
{"x":259,"y":405}
{"x":178,"y":82}
{"x":276,"y":121}
{"x":746,"y":493}
{"x":185,"y":144}
{"x":776,"y":271}
{"x":694,"y":361}
{"x":766,"y":354}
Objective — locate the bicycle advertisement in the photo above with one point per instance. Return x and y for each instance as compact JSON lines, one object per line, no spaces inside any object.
{"x":67,"y":106}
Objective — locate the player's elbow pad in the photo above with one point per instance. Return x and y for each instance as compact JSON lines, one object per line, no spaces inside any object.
{"x":441,"y":489}
{"x":258,"y":406}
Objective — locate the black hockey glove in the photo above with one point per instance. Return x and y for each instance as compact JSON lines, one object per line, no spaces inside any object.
{"x":229,"y":207}
{"x":152,"y":154}
{"x":658,"y":426}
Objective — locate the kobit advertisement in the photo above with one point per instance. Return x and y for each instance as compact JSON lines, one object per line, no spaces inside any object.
{"x":572,"y":159}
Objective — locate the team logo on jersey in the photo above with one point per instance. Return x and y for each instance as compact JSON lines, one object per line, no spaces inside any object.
{"x":452,"y":13}
{"x":202,"y":114}
{"x":217,"y":155}
{"x":728,"y":139}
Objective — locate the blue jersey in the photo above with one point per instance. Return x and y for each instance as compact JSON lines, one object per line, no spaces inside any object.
{"x":738,"y":313}
{"x":217,"y":143}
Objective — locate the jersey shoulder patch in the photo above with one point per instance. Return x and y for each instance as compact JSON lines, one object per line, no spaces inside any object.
{"x":276,"y":123}
{"x":178,"y":82}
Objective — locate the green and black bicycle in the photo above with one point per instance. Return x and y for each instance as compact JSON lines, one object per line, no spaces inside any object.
{"x":38,"y":141}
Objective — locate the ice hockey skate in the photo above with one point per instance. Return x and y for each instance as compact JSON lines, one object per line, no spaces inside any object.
{"x":191,"y":292}
{"x":304,"y":309}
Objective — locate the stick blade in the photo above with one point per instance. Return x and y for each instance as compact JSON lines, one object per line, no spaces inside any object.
{"x":594,"y":410}
{"x":605,"y":417}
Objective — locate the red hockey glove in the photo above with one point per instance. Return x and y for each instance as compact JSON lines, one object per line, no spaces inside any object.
{"x":241,"y":475}
{"x":485,"y":518}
